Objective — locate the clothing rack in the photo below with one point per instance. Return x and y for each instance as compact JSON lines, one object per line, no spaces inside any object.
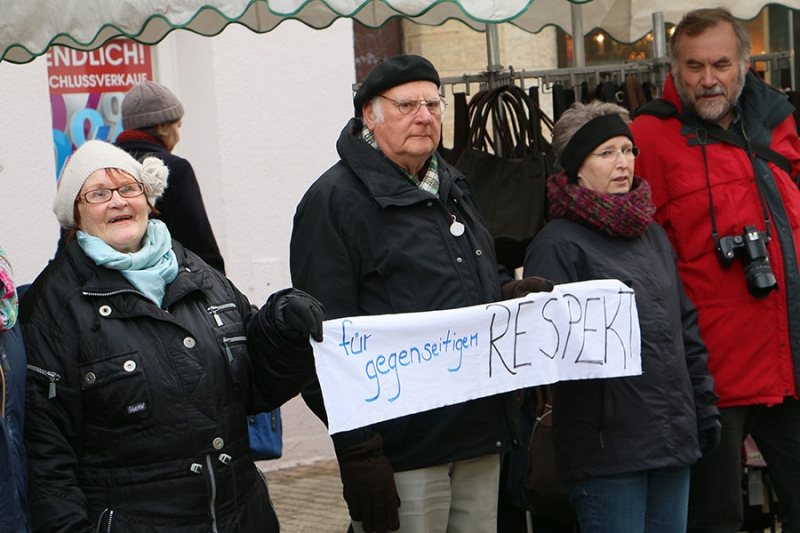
{"x":653,"y":70}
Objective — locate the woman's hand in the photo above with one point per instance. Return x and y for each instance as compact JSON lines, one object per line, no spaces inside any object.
{"x":296,"y":315}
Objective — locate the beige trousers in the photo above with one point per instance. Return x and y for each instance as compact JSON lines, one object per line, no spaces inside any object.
{"x":456,"y":497}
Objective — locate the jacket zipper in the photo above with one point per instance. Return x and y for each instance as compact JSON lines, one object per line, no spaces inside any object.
{"x":215,"y":310}
{"x":227,"y":341}
{"x":3,"y":391}
{"x":100,"y":520}
{"x":601,"y":427}
{"x":52,"y":376}
{"x":114,"y":293}
{"x":213,"y":500}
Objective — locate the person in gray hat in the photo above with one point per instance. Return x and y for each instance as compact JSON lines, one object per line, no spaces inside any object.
{"x":393,"y":228}
{"x":152,"y":117}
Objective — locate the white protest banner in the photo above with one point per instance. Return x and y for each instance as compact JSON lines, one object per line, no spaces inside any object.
{"x":374,"y":368}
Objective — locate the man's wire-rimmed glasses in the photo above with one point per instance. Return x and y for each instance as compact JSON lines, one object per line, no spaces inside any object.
{"x":436,"y":106}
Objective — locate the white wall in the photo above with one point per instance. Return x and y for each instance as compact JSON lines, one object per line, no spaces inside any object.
{"x":29,"y":230}
{"x":263,"y":113}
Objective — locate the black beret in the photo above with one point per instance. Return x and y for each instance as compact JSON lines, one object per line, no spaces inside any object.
{"x":392,"y":72}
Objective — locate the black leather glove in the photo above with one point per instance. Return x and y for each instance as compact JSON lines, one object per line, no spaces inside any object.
{"x":709,"y":432}
{"x":297,"y":315}
{"x":517,"y":288}
{"x":368,"y":486}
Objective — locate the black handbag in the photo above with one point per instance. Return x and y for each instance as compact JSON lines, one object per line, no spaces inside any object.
{"x":266,"y":435}
{"x":544,"y":494}
{"x":506,"y":166}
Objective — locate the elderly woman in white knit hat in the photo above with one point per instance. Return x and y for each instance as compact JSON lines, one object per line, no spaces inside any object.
{"x":152,"y":117}
{"x":143,"y":363}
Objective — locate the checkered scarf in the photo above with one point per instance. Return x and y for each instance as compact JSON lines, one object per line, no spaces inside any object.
{"x":429,"y":183}
{"x":618,"y":215}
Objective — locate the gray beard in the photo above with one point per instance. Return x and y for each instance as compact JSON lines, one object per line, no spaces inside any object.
{"x":712,"y":112}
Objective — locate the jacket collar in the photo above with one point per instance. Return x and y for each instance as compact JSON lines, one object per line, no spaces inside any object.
{"x":385,"y":182}
{"x":761,"y":103}
{"x":105,"y":281}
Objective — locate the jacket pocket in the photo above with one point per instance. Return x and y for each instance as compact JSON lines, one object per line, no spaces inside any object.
{"x":224,"y":313}
{"x":235,"y":347}
{"x":115,"y":390}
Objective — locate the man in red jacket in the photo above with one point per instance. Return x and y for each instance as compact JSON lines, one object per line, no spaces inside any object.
{"x":721,"y":155}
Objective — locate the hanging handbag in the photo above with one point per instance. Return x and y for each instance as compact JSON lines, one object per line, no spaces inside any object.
{"x":545,"y":495}
{"x":265,"y":432}
{"x":505,"y":165}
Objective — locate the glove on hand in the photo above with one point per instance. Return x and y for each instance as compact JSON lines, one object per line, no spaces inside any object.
{"x":297,"y":315}
{"x":709,"y":432}
{"x":518,"y":288}
{"x":369,"y":488}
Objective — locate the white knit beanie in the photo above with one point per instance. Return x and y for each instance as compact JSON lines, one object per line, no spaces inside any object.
{"x":96,"y":155}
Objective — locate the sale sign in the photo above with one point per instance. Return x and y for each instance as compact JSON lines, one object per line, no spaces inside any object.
{"x":116,"y":67}
{"x":87,"y":89}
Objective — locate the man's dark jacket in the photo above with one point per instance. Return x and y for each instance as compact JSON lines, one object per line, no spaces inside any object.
{"x":366,"y":241}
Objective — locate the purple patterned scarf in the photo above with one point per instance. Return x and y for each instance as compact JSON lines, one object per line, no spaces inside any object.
{"x":619,"y":215}
{"x":8,"y":295}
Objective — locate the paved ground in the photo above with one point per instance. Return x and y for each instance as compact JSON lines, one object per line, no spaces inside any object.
{"x":308,"y":499}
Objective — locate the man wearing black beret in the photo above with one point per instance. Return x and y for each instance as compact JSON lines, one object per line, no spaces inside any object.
{"x":393,"y":228}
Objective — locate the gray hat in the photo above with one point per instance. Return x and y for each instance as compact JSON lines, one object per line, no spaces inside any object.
{"x":149,"y":104}
{"x":96,"y":155}
{"x":392,"y":72}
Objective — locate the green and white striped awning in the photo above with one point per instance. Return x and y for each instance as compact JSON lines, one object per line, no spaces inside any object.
{"x":29,"y":27}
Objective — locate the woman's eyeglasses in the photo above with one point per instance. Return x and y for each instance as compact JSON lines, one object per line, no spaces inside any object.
{"x":612,"y":155}
{"x":101,"y":196}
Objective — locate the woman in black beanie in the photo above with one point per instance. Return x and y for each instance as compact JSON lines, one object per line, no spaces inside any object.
{"x":623,"y":446}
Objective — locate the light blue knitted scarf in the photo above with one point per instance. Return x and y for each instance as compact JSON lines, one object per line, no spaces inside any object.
{"x":150,"y":269}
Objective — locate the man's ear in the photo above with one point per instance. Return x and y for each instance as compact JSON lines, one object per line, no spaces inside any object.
{"x":368,"y":114}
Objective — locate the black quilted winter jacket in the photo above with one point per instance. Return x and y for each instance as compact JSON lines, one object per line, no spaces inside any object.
{"x":137,"y":413}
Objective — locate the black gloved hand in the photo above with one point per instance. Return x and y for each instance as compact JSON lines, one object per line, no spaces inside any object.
{"x":517,"y":288}
{"x":368,"y":486}
{"x":709,"y":433}
{"x":297,"y":315}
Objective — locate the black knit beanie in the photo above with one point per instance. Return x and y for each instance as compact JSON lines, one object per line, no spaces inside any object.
{"x":588,"y":137}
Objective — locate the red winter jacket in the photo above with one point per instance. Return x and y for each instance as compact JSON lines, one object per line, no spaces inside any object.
{"x":753,"y":344}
